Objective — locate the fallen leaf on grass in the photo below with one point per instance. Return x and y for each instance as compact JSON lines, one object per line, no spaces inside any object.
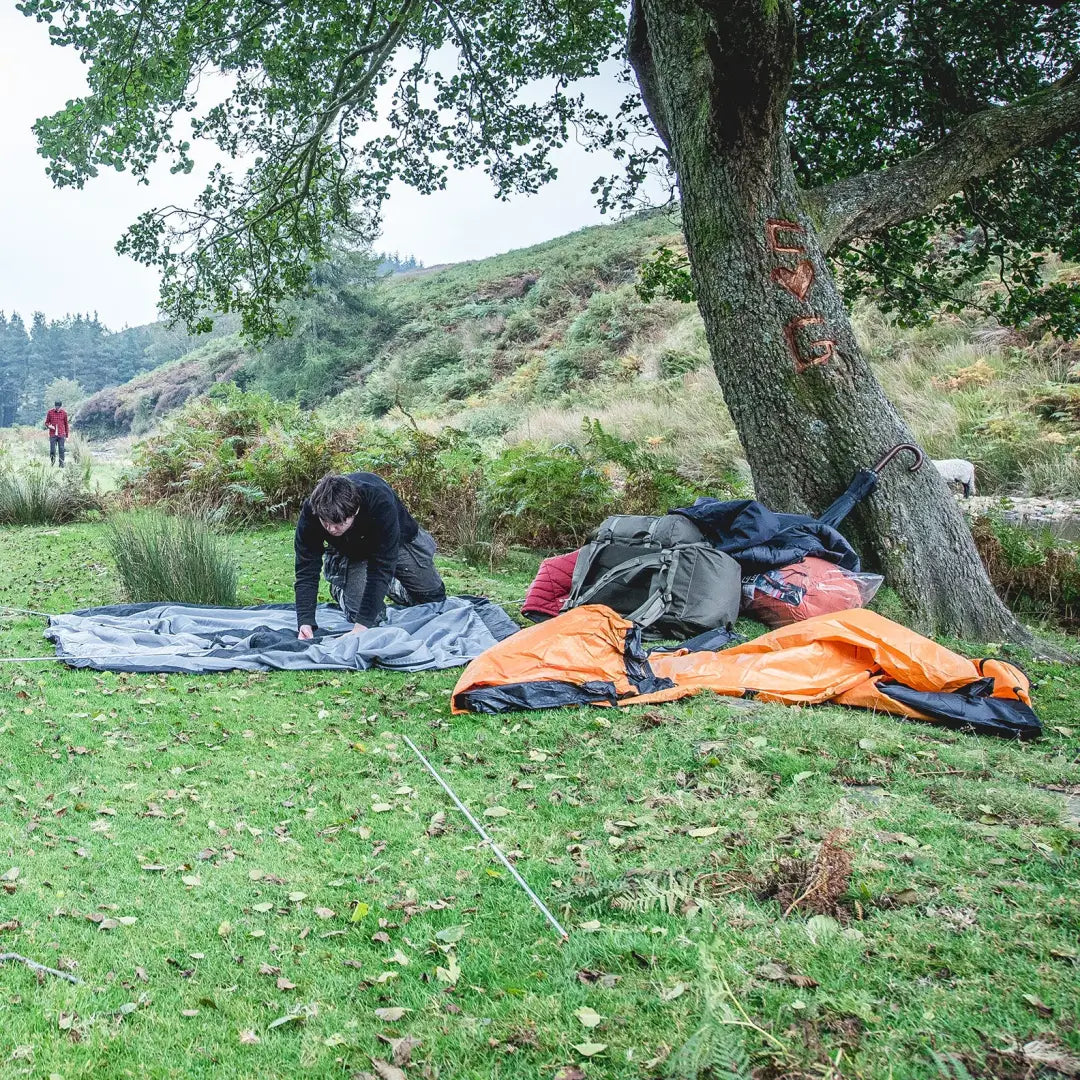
{"x":296,"y":1015}
{"x":386,"y":1071}
{"x":401,"y":1049}
{"x":437,"y":824}
{"x":589,"y":1017}
{"x":359,"y":911}
{"x":11,"y":875}
{"x":284,"y":984}
{"x":449,"y":974}
{"x":903,"y":898}
{"x":820,"y":927}
{"x":590,"y":1049}
{"x":451,"y":934}
{"x":776,"y":973}
{"x":249,"y":1038}
{"x":391,"y":1016}
{"x":189,"y":1012}
{"x":324,"y":913}
{"x":297,"y":897}
{"x":673,"y":992}
{"x":1038,"y":1004}
{"x":225,"y":929}
{"x":589,"y":975}
{"x":569,"y":1072}
{"x":496,"y":812}
{"x":262,"y":908}
{"x":269,"y":969}
{"x":191,"y":880}
{"x":381,"y":807}
{"x":705,"y":830}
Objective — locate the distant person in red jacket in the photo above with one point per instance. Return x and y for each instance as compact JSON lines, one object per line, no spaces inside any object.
{"x":56,"y":424}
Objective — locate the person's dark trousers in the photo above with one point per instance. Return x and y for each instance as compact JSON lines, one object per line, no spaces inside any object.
{"x":56,"y":442}
{"x":415,"y":581}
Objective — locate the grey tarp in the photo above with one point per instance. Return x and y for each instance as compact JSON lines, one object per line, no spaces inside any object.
{"x":192,"y":639}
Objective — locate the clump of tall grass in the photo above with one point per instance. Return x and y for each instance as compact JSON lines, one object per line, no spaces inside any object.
{"x":32,"y":494}
{"x":176,"y":559}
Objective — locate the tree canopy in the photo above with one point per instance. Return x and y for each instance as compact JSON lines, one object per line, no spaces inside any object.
{"x":973,"y":108}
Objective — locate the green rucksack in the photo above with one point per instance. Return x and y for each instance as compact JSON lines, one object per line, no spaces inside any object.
{"x":659,"y":572}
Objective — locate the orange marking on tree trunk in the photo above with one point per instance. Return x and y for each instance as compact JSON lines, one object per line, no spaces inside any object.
{"x":797,"y":281}
{"x":774,"y":226}
{"x":815,"y":359}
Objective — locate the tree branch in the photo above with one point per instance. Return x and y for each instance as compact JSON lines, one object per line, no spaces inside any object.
{"x":639,"y":54}
{"x":871,"y":202}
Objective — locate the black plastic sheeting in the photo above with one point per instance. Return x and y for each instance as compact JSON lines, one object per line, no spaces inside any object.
{"x":971,"y":708}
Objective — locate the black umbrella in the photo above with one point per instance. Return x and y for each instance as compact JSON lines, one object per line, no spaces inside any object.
{"x":864,"y":482}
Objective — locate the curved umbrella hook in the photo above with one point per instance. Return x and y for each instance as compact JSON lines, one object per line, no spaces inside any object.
{"x":920,"y":457}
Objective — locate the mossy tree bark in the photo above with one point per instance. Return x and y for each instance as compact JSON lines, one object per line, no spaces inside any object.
{"x":807,"y":407}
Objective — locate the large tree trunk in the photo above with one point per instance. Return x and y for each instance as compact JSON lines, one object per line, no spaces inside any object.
{"x":806,"y":405}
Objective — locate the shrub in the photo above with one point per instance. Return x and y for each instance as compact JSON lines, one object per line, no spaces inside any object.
{"x":437,"y":476}
{"x":36,"y":495}
{"x":172,"y":559}
{"x":546,"y":497}
{"x":651,"y":485}
{"x":490,"y":421}
{"x":246,"y":459}
{"x":1032,"y":571}
{"x":521,"y":326}
{"x":240,"y":455}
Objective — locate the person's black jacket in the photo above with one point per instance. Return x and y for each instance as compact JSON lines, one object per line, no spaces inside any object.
{"x":381,"y":527}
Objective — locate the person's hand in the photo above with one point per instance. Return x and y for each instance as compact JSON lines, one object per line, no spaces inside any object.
{"x":305,"y":633}
{"x":358,"y":628}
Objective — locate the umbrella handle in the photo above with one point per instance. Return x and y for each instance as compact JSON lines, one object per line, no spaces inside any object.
{"x":920,"y":457}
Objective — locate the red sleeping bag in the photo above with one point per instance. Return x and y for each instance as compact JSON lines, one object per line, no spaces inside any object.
{"x":803,"y":590}
{"x":550,"y":587}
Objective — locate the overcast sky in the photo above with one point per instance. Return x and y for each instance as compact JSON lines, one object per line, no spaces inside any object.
{"x":57,"y":246}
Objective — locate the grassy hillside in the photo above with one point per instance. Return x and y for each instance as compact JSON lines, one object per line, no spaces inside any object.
{"x":523,"y":346}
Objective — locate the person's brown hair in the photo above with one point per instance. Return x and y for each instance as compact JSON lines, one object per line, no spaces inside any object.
{"x":335,"y":498}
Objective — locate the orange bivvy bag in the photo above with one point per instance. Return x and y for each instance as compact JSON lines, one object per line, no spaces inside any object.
{"x":590,"y":655}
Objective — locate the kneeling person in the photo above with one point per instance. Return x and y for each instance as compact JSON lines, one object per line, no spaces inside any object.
{"x":358,"y":532}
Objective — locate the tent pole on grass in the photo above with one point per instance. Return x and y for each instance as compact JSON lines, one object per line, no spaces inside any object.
{"x":487,"y":839}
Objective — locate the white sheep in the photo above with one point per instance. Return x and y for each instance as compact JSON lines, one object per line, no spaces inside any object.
{"x":958,"y":471}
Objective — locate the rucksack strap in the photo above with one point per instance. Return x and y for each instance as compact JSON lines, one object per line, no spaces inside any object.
{"x":666,"y":563}
{"x":624,"y":569}
{"x":659,"y":599}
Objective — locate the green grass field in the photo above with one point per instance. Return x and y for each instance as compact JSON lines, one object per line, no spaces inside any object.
{"x":244,"y":872}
